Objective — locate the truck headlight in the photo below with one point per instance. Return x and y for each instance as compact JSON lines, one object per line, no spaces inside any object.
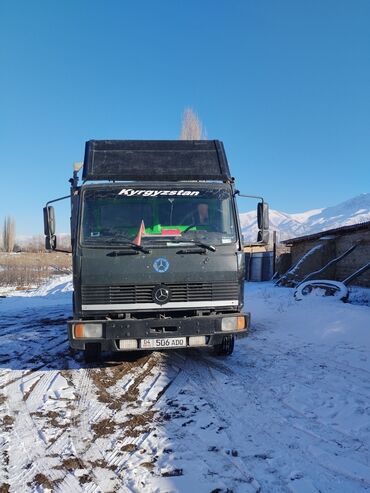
{"x":88,"y":331}
{"x":229,"y":324}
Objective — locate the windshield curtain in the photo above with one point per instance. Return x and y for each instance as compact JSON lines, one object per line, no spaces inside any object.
{"x":117,"y":215}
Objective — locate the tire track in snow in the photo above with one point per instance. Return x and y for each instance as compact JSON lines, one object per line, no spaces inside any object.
{"x":27,"y":441}
{"x":299,"y":420}
{"x":79,"y":444}
{"x":24,"y":389}
{"x":142,"y":387}
{"x":268,"y":433}
{"x":306,"y":419}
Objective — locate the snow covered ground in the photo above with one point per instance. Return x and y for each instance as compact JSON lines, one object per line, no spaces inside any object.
{"x":289,"y":411}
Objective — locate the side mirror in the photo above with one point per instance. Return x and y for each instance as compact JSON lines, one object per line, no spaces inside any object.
{"x":263,"y":215}
{"x":49,"y":221}
{"x":49,"y":228}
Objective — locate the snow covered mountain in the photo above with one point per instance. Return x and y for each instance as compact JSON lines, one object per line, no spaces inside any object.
{"x":352,"y":211}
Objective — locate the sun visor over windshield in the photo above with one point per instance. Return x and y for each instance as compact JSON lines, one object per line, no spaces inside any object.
{"x":157,"y":160}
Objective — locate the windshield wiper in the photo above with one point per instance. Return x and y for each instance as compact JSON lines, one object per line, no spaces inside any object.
{"x":130,"y":243}
{"x":125,"y":241}
{"x":203,"y":245}
{"x":121,"y":253}
{"x":195,"y":242}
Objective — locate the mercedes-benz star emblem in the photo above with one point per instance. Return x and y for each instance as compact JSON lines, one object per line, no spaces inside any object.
{"x":161,"y":294}
{"x":161,"y":265}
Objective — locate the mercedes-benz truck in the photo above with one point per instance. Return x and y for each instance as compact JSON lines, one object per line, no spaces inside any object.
{"x":157,"y":248}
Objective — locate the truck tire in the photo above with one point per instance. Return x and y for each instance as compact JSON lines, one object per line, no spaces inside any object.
{"x":92,"y":353}
{"x":226,"y":347}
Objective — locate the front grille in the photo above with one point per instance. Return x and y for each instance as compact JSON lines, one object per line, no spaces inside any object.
{"x":142,"y":293}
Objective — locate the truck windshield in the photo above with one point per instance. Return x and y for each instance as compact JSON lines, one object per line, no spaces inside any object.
{"x":152,"y":216}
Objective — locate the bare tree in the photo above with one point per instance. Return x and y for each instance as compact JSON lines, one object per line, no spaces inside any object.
{"x":191,"y":126}
{"x":9,"y":234}
{"x":35,"y":244}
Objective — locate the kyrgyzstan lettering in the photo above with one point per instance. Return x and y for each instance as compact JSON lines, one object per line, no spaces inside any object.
{"x":130,"y":192}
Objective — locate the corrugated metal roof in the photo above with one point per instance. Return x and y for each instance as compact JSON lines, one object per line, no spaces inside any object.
{"x":341,"y":230}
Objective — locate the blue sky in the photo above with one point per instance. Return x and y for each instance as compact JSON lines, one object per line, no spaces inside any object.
{"x":285,"y":84}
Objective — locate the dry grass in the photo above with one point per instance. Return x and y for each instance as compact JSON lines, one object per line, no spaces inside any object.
{"x":24,"y":270}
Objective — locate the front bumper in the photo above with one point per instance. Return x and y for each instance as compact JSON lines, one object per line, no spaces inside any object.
{"x":116,"y":330}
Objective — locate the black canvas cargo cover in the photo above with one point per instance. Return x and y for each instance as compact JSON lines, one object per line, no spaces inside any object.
{"x":157,"y":160}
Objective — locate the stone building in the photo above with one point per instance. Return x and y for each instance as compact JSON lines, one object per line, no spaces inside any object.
{"x":312,"y":252}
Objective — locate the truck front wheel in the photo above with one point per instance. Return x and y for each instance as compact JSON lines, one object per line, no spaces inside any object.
{"x":226,"y":347}
{"x":92,"y":352}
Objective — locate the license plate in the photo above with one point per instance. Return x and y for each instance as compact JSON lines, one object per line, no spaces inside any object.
{"x":163,"y":343}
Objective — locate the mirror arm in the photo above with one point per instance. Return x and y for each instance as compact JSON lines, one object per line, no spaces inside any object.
{"x":57,"y":200}
{"x":249,"y":196}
